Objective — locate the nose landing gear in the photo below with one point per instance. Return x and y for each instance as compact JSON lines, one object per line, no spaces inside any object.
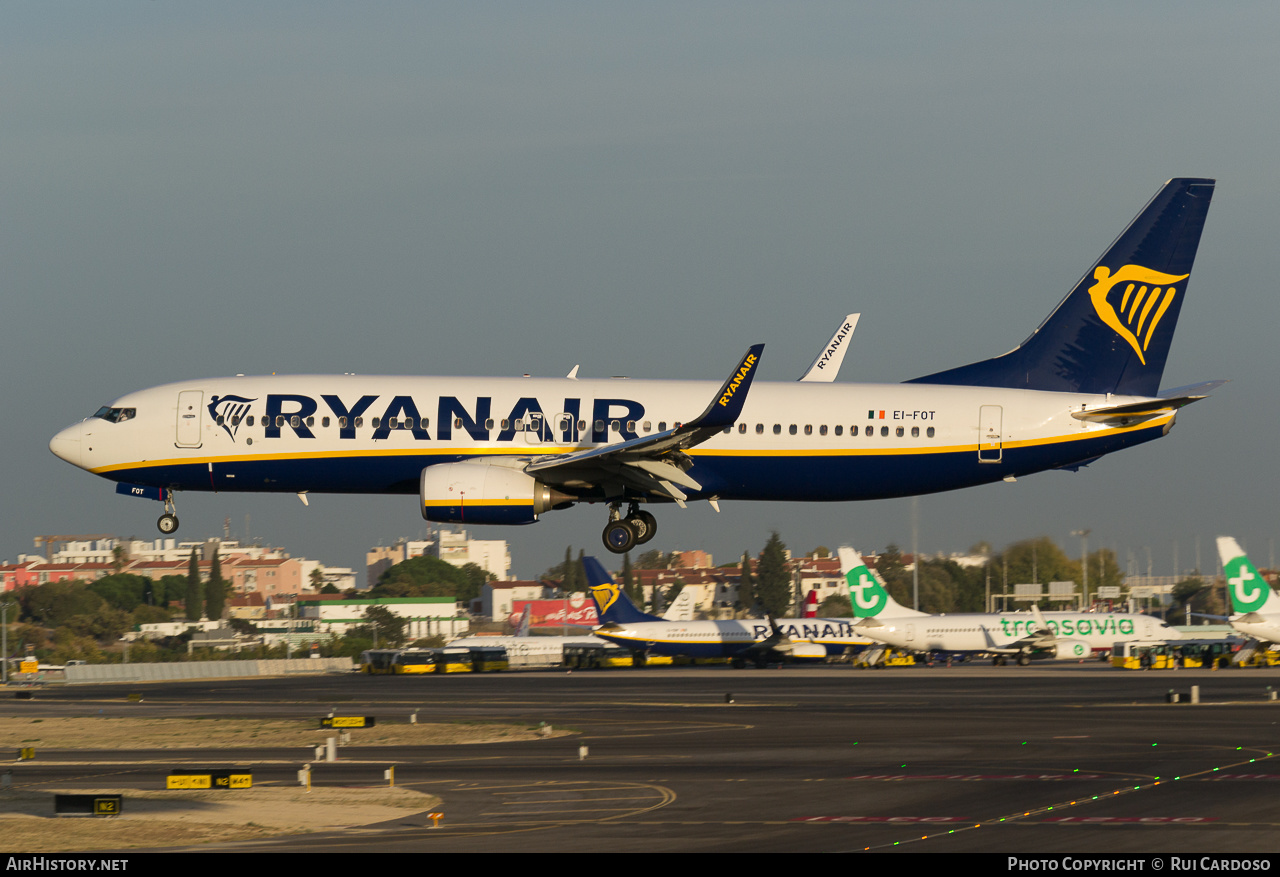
{"x":168,"y":522}
{"x":622,"y":534}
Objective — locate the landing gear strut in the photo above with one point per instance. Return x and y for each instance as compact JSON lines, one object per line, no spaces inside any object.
{"x":168,"y":522}
{"x":622,"y":534}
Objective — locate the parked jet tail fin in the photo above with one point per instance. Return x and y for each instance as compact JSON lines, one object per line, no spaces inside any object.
{"x":866,"y":593}
{"x":1112,"y":332}
{"x":612,"y":604}
{"x":522,"y":627}
{"x":1249,"y":591}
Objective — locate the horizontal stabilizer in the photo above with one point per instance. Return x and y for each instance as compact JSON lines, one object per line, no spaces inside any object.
{"x":1132,"y":412}
{"x":1199,"y":390}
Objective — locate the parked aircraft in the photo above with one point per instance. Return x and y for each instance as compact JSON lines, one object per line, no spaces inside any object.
{"x":1256,"y":607}
{"x":530,"y":649}
{"x":1024,"y":635}
{"x":755,"y":641}
{"x":507,"y":450}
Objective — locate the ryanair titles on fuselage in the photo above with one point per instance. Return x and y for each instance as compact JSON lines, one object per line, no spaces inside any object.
{"x":818,"y":629}
{"x":296,"y":412}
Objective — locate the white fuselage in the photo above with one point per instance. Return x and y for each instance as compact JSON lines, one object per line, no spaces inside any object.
{"x":1001,"y":632}
{"x":793,"y":441}
{"x":530,"y":648}
{"x":725,"y":639}
{"x":1264,"y":627}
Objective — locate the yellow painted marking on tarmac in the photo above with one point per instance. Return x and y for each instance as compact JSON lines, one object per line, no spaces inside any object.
{"x":1017,"y":818}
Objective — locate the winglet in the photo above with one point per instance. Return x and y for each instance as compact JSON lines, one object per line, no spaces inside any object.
{"x":826,"y":365}
{"x":727,"y":404}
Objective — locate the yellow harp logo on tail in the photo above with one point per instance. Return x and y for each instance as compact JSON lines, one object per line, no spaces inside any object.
{"x":605,"y":596}
{"x":1146,"y":295}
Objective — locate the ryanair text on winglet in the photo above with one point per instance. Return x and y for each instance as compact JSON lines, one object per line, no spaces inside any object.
{"x":747,"y":364}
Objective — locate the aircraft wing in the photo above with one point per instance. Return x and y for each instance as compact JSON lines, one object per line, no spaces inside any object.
{"x":777,"y":646}
{"x":655,"y":464}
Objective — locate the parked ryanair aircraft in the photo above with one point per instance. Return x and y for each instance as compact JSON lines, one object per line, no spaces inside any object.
{"x":506,"y":450}
{"x":1022,"y":635}
{"x":758,"y":641}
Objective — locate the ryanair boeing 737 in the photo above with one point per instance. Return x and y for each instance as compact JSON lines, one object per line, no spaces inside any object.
{"x":758,"y":641}
{"x":506,"y":450}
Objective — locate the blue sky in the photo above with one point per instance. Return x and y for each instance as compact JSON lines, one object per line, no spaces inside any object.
{"x":645,"y":189}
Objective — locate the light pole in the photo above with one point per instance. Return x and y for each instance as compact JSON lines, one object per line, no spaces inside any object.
{"x":4,"y":640}
{"x":1084,"y":560}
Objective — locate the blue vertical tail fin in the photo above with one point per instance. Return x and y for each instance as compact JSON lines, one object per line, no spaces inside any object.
{"x":612,"y":604}
{"x":1112,"y":332}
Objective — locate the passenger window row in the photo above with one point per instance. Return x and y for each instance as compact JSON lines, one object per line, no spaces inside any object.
{"x":534,"y":425}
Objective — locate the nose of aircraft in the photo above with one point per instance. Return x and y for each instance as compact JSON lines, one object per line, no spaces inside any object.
{"x":66,"y":444}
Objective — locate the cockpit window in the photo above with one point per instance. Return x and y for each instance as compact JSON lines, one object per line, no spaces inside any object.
{"x":116,"y":415}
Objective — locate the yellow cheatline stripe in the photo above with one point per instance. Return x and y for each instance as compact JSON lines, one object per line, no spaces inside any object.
{"x":341,"y":454}
{"x":441,"y":503}
{"x":544,"y":450}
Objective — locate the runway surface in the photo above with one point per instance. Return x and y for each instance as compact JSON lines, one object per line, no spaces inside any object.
{"x":1074,"y":758}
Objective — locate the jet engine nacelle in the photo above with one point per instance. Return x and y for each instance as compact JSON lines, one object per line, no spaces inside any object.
{"x":807,"y":651}
{"x":482,"y":493}
{"x":1069,"y":649}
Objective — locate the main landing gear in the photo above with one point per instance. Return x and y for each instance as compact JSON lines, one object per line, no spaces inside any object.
{"x":622,"y":534}
{"x":168,"y":522}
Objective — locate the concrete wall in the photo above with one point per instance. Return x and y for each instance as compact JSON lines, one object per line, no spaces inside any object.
{"x":87,"y":673}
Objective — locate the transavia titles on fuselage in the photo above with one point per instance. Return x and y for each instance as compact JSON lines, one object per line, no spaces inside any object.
{"x":506,"y":450}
